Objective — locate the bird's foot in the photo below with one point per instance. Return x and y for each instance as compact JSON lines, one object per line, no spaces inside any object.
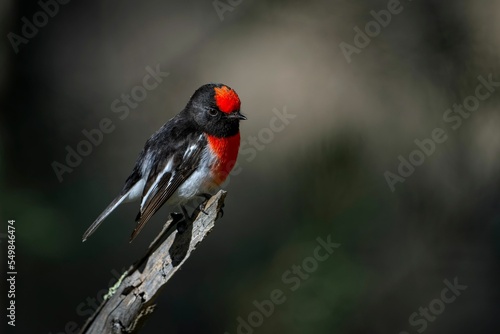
{"x":206,"y":196}
{"x":202,"y":205}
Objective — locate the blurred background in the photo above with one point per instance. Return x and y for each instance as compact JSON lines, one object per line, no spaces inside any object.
{"x":355,"y":103}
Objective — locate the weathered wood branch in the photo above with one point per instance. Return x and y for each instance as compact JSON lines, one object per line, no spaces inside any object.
{"x":131,"y":300}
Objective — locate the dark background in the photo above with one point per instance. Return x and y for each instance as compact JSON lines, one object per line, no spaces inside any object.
{"x":322,"y":175}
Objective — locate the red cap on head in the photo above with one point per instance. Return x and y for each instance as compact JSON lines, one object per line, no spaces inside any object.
{"x":226,"y":99}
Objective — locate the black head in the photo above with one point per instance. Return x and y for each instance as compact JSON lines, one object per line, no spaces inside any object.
{"x":215,"y":108}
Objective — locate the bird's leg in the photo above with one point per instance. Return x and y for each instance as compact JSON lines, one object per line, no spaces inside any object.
{"x":206,"y":196}
{"x":201,"y":207}
{"x":185,"y":213}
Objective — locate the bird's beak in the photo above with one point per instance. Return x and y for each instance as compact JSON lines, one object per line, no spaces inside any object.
{"x":238,"y":115}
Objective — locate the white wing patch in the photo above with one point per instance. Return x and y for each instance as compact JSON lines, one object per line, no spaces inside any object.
{"x":152,"y":189}
{"x":146,"y":165}
{"x":198,"y":181}
{"x":191,"y":149}
{"x":136,"y":191}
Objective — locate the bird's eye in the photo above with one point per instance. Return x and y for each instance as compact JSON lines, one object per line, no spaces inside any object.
{"x":212,"y":112}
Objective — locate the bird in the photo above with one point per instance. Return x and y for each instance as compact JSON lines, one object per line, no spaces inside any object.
{"x":190,"y":156}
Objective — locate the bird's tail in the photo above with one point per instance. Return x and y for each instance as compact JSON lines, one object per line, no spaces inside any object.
{"x":117,"y":201}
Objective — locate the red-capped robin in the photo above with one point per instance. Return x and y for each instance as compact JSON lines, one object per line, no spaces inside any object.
{"x":190,"y":155}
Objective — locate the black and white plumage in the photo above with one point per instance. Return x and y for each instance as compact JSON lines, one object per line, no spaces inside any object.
{"x":183,"y":158}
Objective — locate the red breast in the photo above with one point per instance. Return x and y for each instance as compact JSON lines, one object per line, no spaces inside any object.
{"x":226,"y":151}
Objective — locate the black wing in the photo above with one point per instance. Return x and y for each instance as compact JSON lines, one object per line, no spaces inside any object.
{"x":174,"y":166}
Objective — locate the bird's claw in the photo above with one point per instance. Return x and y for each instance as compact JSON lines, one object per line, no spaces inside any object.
{"x":202,"y":207}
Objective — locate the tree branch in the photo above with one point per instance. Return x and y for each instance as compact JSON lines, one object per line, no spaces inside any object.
{"x":131,"y":300}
